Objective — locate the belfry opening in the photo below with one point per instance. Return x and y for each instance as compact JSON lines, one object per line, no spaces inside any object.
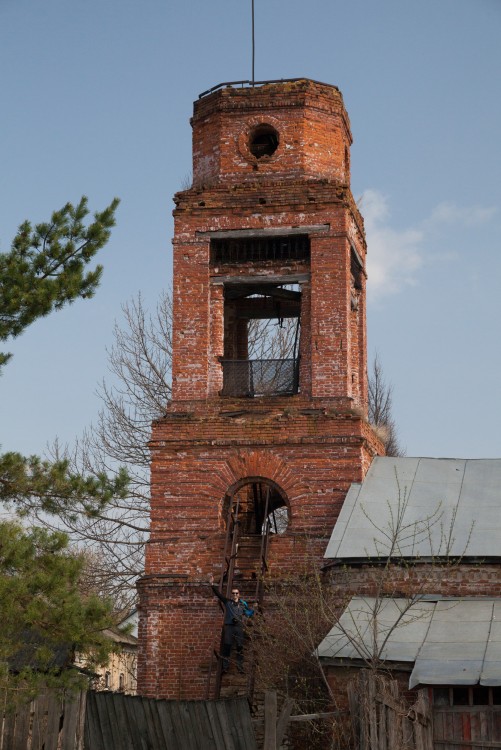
{"x":261,"y":339}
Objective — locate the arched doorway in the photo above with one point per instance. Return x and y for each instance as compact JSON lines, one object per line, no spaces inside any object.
{"x":254,"y":510}
{"x":258,"y":501}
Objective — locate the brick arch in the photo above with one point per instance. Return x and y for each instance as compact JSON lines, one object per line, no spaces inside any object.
{"x":227,"y":471}
{"x":263,"y":463}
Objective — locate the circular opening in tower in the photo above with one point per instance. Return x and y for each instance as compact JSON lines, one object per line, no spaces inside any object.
{"x":263,"y":141}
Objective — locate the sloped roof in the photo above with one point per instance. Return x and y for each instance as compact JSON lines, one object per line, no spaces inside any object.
{"x":421,"y":507}
{"x":450,"y":641}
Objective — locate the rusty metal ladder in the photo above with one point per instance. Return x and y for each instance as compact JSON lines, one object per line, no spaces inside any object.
{"x":230,"y":555}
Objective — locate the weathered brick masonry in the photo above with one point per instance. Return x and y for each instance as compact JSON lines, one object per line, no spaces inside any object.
{"x":268,"y":162}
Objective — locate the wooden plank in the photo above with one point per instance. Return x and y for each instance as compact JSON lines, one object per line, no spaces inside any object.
{"x":9,"y":731}
{"x":372,"y":711}
{"x":313,"y":717}
{"x":384,"y":716}
{"x":394,"y":719}
{"x":155,"y":725}
{"x":283,"y":720}
{"x":270,"y":720}
{"x":137,"y":718}
{"x":169,"y":735}
{"x":190,"y":730}
{"x":54,"y":716}
{"x":177,"y":721}
{"x":191,"y":721}
{"x":80,"y":729}
{"x":21,"y":728}
{"x":40,"y":706}
{"x":467,"y":743}
{"x":226,"y":729}
{"x":235,"y":234}
{"x":117,"y":731}
{"x":104,"y":726}
{"x":421,"y":724}
{"x":125,"y":727}
{"x":213,"y":716}
{"x":92,"y":733}
{"x":203,"y":726}
{"x":407,"y":733}
{"x":243,"y":732}
{"x":71,"y":730}
{"x":273,"y":278}
{"x":148,"y":727}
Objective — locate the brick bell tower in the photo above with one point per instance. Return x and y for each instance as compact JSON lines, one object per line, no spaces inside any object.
{"x":252,"y":461}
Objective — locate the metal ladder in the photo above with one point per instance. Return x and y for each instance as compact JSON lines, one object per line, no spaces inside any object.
{"x":230,"y":557}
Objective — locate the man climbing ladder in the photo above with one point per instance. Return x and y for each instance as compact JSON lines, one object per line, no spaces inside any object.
{"x":235,"y":610}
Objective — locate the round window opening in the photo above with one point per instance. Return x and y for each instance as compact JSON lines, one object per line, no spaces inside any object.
{"x":263,"y":141}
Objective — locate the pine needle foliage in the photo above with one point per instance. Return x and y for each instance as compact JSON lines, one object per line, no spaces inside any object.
{"x":47,"y":266}
{"x":45,"y":618}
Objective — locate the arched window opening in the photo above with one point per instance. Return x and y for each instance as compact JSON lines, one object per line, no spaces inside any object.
{"x":254,"y":510}
{"x":255,"y":504}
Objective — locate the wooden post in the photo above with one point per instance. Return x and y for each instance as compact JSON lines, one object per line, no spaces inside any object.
{"x":270,"y":720}
{"x":283,"y":720}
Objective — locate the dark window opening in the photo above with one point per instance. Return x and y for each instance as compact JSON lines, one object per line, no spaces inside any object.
{"x":460,"y":696}
{"x":356,"y":270}
{"x":476,"y":695}
{"x":263,"y":141}
{"x":260,"y":505}
{"x":233,"y":251}
{"x":261,"y":340}
{"x":480,"y":696}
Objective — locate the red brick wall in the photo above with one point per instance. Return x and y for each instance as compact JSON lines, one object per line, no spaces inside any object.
{"x":312,"y":445}
{"x":311,"y":120}
{"x":462,"y":579}
{"x":336,"y":349}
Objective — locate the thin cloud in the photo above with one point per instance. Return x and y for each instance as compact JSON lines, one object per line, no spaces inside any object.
{"x":395,"y":256}
{"x":448,"y":213}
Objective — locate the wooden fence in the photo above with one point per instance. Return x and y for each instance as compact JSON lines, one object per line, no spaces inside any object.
{"x":112,"y":721}
{"x":382,"y":720}
{"x":47,"y":723}
{"x":467,"y":727}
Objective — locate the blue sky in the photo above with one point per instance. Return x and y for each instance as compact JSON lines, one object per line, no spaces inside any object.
{"x":96,"y":97}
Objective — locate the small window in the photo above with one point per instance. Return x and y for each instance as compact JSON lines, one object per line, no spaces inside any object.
{"x":121,"y":682}
{"x":496,"y":696}
{"x":476,"y":695}
{"x":441,"y":697}
{"x":356,"y":269}
{"x":460,"y":696}
{"x":480,"y":696}
{"x":107,"y":680}
{"x":263,"y":141}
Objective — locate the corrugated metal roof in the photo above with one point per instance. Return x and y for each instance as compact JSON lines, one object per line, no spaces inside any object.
{"x":451,"y":641}
{"x":421,"y":507}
